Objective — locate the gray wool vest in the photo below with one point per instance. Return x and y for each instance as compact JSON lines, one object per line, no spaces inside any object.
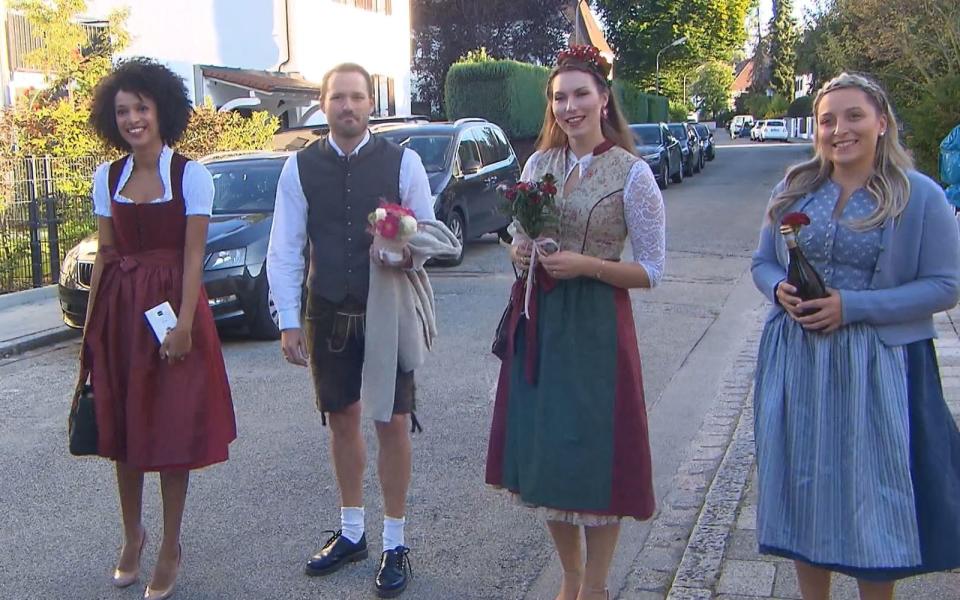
{"x":340,"y":194}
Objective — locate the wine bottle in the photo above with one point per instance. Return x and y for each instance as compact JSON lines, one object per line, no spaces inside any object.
{"x":800,"y":273}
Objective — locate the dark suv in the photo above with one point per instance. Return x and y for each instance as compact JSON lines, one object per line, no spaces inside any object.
{"x":234,"y":269}
{"x":690,"y":145}
{"x":657,"y":146}
{"x":465,"y":162}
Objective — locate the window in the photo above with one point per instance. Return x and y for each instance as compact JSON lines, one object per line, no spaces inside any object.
{"x":468,"y":155}
{"x":384,"y":102}
{"x":378,"y":6}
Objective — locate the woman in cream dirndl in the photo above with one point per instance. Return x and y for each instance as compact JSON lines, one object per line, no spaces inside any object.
{"x":569,"y":433}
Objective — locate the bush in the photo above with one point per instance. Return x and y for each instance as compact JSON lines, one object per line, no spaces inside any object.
{"x":801,"y":107}
{"x":678,"y":111}
{"x":930,"y":119}
{"x":505,"y":92}
{"x":211,"y":131}
{"x":777,"y":107}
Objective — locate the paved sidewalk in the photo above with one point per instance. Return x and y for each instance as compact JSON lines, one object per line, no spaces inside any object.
{"x":703,"y":543}
{"x":31,"y":319}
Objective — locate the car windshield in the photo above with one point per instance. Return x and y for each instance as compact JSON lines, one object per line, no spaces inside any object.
{"x":646,"y":135}
{"x":703,"y":131}
{"x":245,"y":186}
{"x":678,"y":131}
{"x":433,"y":149}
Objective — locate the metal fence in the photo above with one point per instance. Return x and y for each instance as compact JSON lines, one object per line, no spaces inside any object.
{"x":45,"y":209}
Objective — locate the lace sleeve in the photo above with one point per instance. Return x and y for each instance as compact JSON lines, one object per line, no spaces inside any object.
{"x":530,"y":167}
{"x":646,"y":221}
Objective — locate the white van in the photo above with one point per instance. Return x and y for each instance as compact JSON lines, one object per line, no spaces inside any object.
{"x":738,"y":122}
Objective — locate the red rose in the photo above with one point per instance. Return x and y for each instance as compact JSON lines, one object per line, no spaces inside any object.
{"x":390,"y":226}
{"x":549,"y":188}
{"x":510,"y":195}
{"x":795,"y":219}
{"x":535,"y":197}
{"x":523,"y":186}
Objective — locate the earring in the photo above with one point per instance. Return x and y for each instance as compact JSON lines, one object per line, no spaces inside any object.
{"x":606,"y":113}
{"x":882,"y":133}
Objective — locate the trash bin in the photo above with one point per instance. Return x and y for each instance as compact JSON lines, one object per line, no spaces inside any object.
{"x":950,"y":166}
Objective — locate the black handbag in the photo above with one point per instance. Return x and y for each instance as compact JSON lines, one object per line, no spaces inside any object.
{"x":501,"y":338}
{"x":82,"y":423}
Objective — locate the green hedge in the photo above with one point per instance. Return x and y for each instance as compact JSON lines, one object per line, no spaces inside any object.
{"x":505,"y":92}
{"x":635,"y":104}
{"x":658,"y":109}
{"x":511,"y":94}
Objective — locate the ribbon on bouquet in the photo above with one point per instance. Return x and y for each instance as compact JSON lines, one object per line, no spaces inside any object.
{"x":542,"y":246}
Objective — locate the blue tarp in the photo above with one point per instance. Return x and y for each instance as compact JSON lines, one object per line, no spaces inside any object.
{"x":950,"y":165}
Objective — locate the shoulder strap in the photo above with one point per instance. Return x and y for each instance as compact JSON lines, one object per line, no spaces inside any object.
{"x":178,"y":165}
{"x":116,"y":167}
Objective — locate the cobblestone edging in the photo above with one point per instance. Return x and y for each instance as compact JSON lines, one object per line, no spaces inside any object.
{"x":682,"y":555}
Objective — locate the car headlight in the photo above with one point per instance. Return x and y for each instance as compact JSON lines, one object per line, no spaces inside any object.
{"x":224,"y":259}
{"x":68,"y":268}
{"x":651,"y":157}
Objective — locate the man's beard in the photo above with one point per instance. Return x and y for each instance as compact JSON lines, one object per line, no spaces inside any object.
{"x":349,"y":130}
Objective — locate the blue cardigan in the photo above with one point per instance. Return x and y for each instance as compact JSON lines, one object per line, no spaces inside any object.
{"x":917,"y":272}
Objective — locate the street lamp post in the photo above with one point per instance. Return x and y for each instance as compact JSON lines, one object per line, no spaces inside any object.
{"x":676,"y":42}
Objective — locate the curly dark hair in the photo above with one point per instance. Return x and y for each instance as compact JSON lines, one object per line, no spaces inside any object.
{"x":144,"y":77}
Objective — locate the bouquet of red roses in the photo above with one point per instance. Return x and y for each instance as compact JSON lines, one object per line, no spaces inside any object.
{"x":532,"y":205}
{"x":392,"y":226}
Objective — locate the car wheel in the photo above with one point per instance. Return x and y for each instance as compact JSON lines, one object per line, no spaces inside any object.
{"x":459,"y":229}
{"x":663,"y":180}
{"x":688,"y":168}
{"x":698,"y":165}
{"x":678,"y":178}
{"x":266,"y":322}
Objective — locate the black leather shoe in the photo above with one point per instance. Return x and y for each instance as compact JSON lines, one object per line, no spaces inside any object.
{"x":394,"y":572}
{"x":337,"y":552}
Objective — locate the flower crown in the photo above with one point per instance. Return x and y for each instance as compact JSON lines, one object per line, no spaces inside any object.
{"x":586,"y":54}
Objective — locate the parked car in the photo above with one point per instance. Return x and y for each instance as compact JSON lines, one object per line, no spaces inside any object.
{"x":755,"y":131}
{"x":660,"y":150}
{"x":465,"y":162}
{"x":706,"y":141}
{"x":690,"y":143}
{"x":701,"y":152}
{"x":774,"y":129}
{"x":234,"y":269}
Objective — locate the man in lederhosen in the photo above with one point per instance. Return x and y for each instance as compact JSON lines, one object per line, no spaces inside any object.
{"x":325,"y":193}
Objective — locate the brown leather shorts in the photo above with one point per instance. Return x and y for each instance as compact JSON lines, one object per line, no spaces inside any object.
{"x":335,"y":340}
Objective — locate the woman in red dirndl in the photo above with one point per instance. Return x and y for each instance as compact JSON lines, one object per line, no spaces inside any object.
{"x":160,"y":407}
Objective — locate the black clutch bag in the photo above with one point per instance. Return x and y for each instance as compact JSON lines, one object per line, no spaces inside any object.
{"x":82,"y":423}
{"x":501,"y":338}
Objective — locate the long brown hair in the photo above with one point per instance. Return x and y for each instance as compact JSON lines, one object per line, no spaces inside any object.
{"x":888,"y":184}
{"x":613,"y":126}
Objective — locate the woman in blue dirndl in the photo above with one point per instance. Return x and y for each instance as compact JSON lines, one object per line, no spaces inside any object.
{"x":858,"y":456}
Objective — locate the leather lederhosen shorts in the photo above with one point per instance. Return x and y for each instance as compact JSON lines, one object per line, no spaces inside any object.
{"x":335,"y":341}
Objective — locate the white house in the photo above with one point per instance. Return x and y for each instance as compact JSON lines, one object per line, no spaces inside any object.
{"x":251,"y":54}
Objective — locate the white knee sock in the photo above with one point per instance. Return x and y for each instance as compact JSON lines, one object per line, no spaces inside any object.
{"x":351,"y":522}
{"x":393,"y":532}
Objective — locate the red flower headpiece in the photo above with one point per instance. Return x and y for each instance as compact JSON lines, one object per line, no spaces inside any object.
{"x":586,"y":54}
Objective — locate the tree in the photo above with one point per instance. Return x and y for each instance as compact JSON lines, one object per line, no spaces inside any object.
{"x":639,"y":29}
{"x":760,"y":78}
{"x":712,"y":88}
{"x":444,"y":31}
{"x":783,"y":39}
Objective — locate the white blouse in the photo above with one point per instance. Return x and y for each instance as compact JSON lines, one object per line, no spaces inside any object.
{"x":642,"y":208}
{"x":197,"y":186}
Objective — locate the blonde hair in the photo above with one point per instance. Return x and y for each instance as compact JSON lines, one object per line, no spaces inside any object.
{"x":888,"y":183}
{"x":613,"y":126}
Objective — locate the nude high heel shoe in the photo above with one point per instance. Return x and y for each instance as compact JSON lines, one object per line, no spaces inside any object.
{"x":155,"y":594}
{"x":122,"y":579}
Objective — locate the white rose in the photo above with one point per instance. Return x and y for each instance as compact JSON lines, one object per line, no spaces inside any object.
{"x":380,"y":214}
{"x":408,"y":225}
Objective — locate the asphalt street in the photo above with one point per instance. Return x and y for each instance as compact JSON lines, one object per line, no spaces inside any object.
{"x":251,"y":522}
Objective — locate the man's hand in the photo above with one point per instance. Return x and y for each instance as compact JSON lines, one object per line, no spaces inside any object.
{"x":294,"y":347}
